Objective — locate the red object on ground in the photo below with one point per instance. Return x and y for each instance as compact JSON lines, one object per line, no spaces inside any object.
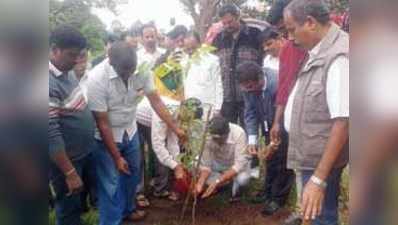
{"x":182,"y":185}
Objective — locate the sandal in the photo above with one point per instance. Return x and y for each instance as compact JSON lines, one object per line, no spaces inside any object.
{"x":174,"y":196}
{"x":142,"y":201}
{"x":162,"y":194}
{"x":136,"y":215}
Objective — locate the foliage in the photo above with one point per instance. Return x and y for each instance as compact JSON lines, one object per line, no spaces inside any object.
{"x":194,"y":129}
{"x":77,"y":13}
{"x":339,"y":5}
{"x":203,"y":12}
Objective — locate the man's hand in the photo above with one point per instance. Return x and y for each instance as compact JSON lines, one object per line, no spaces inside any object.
{"x":74,"y":183}
{"x":312,"y":201}
{"x":122,"y":166}
{"x":182,"y":136}
{"x":198,"y":189}
{"x":272,"y":148}
{"x":179,"y":172}
{"x":276,"y":133}
{"x":177,"y":56}
{"x":210,"y":190}
{"x":252,"y":149}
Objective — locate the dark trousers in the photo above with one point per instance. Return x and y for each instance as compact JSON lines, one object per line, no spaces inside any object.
{"x":90,"y":188}
{"x":234,"y":112}
{"x":67,"y":208}
{"x":279,"y":180}
{"x":158,"y":172}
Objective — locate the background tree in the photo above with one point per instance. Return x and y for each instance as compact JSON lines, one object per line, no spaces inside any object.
{"x":204,"y":12}
{"x":77,"y":13}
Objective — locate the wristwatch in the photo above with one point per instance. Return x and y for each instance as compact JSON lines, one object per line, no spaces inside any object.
{"x":318,"y":181}
{"x":218,"y":181}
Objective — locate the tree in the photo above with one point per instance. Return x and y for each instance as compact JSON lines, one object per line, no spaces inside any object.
{"x":77,"y":14}
{"x":203,"y":12}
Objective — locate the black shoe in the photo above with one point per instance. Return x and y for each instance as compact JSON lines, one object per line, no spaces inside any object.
{"x":293,"y":219}
{"x":259,"y":199}
{"x":270,"y":208}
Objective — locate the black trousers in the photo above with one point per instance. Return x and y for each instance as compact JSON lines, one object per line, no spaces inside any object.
{"x":279,"y":179}
{"x":234,"y":112}
{"x":157,"y":173}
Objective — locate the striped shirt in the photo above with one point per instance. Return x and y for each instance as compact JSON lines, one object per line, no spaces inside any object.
{"x":71,"y":125}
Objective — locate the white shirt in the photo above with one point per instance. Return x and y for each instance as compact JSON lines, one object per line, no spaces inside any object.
{"x":203,"y":81}
{"x":146,"y":57}
{"x":164,"y":143}
{"x":232,"y":154}
{"x":271,"y":62}
{"x":108,"y":93}
{"x":145,"y":111}
{"x":54,"y":69}
{"x":337,"y":88}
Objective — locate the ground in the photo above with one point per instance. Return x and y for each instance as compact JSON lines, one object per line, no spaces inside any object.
{"x":216,"y":211}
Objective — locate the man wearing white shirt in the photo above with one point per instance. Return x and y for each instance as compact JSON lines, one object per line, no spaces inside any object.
{"x":203,"y":74}
{"x":150,"y":51}
{"x":165,"y":142}
{"x":114,"y":91}
{"x":317,"y":111}
{"x":146,"y":57}
{"x":159,"y":177}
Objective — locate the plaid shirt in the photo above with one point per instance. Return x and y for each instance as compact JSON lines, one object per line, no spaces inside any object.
{"x":247,"y":47}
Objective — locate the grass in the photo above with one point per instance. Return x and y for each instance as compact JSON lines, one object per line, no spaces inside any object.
{"x":89,"y":218}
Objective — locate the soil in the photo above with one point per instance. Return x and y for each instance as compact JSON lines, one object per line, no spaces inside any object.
{"x":215,"y":211}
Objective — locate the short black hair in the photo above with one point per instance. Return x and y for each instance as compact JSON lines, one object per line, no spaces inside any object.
{"x":229,"y":8}
{"x":177,"y":31}
{"x":111,"y":38}
{"x":66,"y":36}
{"x":122,"y":53}
{"x":219,"y":126}
{"x":147,"y":25}
{"x":194,"y":34}
{"x":301,"y":9}
{"x":268,"y":33}
{"x":275,"y":14}
{"x":249,"y":71}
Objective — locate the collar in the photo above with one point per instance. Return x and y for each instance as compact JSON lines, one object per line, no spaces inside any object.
{"x":229,"y":139}
{"x":109,"y":69}
{"x":326,"y":41}
{"x":315,"y":50}
{"x":54,"y":69}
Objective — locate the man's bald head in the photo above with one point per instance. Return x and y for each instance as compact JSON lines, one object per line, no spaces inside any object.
{"x":123,"y":58}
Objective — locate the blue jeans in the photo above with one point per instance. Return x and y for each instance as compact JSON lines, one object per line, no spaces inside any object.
{"x":116,"y":191}
{"x":330,"y":213}
{"x":67,"y":208}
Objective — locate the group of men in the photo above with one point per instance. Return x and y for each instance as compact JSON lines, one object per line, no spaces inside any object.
{"x":287,"y":82}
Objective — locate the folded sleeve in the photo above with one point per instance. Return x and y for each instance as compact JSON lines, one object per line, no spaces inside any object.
{"x":97,"y":93}
{"x":241,"y":155}
{"x":159,"y":139}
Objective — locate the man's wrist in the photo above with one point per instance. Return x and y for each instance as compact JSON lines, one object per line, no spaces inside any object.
{"x":317,"y":181}
{"x":70,"y":172}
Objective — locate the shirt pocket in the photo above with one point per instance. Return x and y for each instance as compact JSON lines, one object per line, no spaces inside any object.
{"x":115,"y":97}
{"x":316,"y":108}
